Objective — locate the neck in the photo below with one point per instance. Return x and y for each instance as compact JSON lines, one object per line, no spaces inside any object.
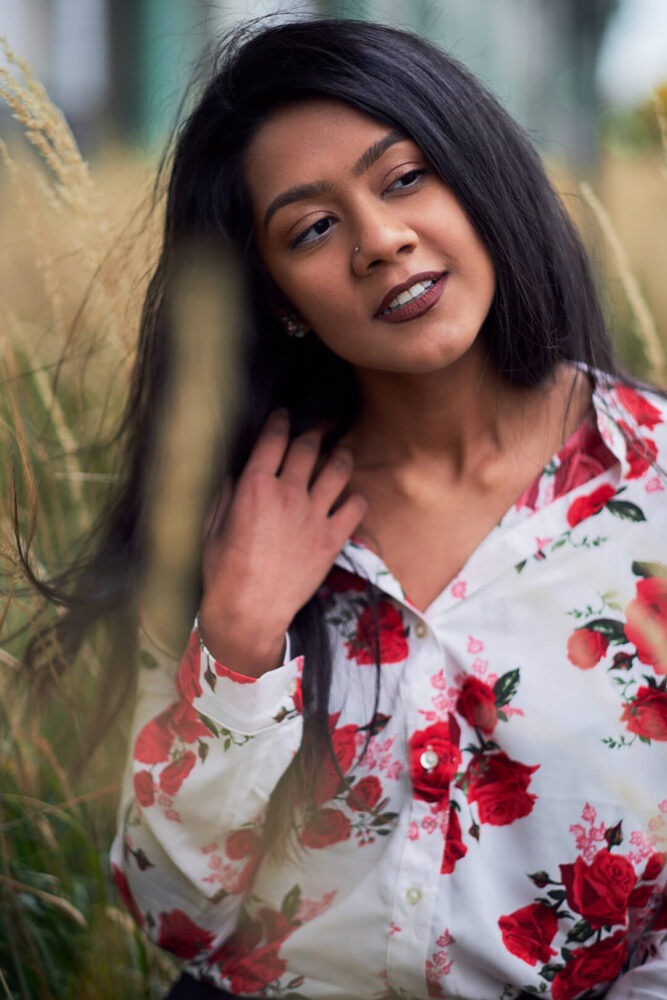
{"x":462,"y":417}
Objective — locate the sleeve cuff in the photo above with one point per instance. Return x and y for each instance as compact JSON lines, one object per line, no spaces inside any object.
{"x":244,"y":704}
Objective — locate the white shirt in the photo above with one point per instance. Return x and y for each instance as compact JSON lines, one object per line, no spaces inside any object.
{"x":504,"y":830}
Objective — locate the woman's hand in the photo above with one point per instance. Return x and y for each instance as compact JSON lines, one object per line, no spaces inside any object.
{"x":274,"y":546}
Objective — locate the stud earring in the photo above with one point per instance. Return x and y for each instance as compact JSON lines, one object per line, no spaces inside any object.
{"x":293,"y":326}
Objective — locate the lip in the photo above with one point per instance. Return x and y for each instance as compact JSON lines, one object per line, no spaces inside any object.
{"x":417,"y":306}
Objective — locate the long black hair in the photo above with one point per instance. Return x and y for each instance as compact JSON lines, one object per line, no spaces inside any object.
{"x":545,"y":310}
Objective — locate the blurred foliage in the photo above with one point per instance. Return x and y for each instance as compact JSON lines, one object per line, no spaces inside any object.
{"x":633,"y":131}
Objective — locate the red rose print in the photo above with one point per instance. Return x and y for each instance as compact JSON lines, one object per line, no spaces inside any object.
{"x":186,"y":723}
{"x":477,"y":704}
{"x":365,"y":795}
{"x":340,"y":581}
{"x":660,"y":922}
{"x":393,"y":644}
{"x":584,"y":457}
{"x":144,"y":789}
{"x":187,"y":678}
{"x":455,"y":849}
{"x":328,"y":826}
{"x":276,"y":925}
{"x":297,"y":697}
{"x":499,"y":787}
{"x":646,"y":714}
{"x":600,"y":891}
{"x":586,"y":647}
{"x":175,"y":773}
{"x":586,"y":506}
{"x":155,"y":740}
{"x":124,"y":889}
{"x":640,"y":896}
{"x":645,"y":414}
{"x":240,"y":843}
{"x":529,"y":497}
{"x":646,"y":624}
{"x":528,"y":933}
{"x":255,"y":971}
{"x":344,"y":742}
{"x":653,"y":867}
{"x":434,"y":760}
{"x":639,"y":452}
{"x":179,"y":935}
{"x":238,"y":945}
{"x":588,"y":967}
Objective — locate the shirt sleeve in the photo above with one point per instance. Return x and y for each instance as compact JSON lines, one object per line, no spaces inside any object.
{"x":208,"y":748}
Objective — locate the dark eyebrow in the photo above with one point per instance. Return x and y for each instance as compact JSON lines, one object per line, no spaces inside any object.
{"x":374,"y":152}
{"x":303,"y":191}
{"x":298,"y":193}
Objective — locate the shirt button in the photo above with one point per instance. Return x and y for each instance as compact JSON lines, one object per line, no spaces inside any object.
{"x":429,"y":760}
{"x":413,"y":895}
{"x":421,"y":630}
{"x":291,"y":687}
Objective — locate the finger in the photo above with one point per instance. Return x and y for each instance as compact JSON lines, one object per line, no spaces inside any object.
{"x":348,"y":516}
{"x":270,"y":446}
{"x":332,"y":478}
{"x":301,"y":458}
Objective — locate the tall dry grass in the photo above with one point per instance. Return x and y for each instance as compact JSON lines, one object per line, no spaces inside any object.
{"x":74,"y":258}
{"x":76,"y":250}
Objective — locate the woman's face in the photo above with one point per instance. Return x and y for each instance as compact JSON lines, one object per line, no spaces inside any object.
{"x":324,"y":179}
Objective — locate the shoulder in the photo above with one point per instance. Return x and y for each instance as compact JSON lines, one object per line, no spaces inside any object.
{"x":639,"y":405}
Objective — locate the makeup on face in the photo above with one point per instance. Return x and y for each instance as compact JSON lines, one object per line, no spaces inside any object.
{"x":326,"y":179}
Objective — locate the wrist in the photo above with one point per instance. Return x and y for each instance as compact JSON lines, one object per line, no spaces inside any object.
{"x":252,"y":650}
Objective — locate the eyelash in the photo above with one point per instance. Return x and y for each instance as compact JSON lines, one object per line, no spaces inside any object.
{"x":417,"y":173}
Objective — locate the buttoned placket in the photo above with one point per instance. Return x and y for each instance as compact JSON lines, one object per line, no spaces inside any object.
{"x":418,"y":883}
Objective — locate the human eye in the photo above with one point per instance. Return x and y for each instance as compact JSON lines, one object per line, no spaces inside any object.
{"x":409,"y":179}
{"x":313,"y":233}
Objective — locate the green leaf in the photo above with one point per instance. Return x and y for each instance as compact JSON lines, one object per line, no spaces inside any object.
{"x":503,"y":716}
{"x":202,"y":750}
{"x":566,"y":953}
{"x":291,"y":902}
{"x":649,"y":568}
{"x":610,"y":628}
{"x":625,"y":510}
{"x":559,"y":544}
{"x":557,"y":894}
{"x":376,"y":725}
{"x":520,"y":565}
{"x":581,"y":931}
{"x":506,"y":687}
{"x":549,"y":972}
{"x":210,"y":678}
{"x":209,"y":724}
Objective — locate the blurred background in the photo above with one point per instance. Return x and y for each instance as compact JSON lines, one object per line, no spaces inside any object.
{"x":78,"y":238}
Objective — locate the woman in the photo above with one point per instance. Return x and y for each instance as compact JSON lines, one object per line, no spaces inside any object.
{"x":415,"y":746}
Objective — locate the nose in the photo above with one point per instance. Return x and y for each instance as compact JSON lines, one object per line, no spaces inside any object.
{"x":381,"y":238}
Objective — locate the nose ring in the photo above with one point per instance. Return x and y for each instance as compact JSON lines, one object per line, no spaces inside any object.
{"x":356,"y":250}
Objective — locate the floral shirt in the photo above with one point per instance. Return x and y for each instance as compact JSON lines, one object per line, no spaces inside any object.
{"x":504,"y":833}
